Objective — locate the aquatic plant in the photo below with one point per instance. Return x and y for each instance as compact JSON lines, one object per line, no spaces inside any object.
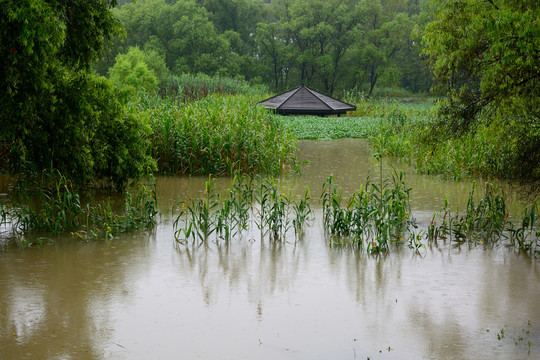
{"x":373,"y":218}
{"x":483,"y":222}
{"x":487,"y":222}
{"x":51,"y":204}
{"x":328,"y":128}
{"x":220,"y":135}
{"x":526,"y":236}
{"x":250,"y":199}
{"x":187,"y":87}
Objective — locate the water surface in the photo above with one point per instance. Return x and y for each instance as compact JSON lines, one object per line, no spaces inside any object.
{"x":141,"y":296}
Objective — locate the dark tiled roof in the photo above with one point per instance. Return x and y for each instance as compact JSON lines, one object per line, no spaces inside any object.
{"x":306,"y":101}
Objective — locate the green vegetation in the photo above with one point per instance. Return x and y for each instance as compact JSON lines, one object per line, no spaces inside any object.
{"x":55,"y":114}
{"x":188,"y":87}
{"x":331,"y":45}
{"x":485,"y":58}
{"x":139,"y":70}
{"x":58,"y":118}
{"x":375,"y":217}
{"x":49,"y":204}
{"x":153,"y":113}
{"x":487,"y":222}
{"x":223,"y":216}
{"x":219,"y":135}
{"x":328,"y":128}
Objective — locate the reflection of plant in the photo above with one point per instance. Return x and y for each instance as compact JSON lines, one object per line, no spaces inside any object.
{"x":229,"y":214}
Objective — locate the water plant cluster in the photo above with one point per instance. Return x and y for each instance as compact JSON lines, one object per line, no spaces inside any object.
{"x":218,"y":135}
{"x":250,"y":201}
{"x":373,"y":219}
{"x":487,"y":222}
{"x":52,"y":205}
{"x":376,"y":216}
{"x":328,"y":128}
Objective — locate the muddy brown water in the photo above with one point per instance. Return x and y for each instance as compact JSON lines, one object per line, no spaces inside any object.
{"x":140,"y":296}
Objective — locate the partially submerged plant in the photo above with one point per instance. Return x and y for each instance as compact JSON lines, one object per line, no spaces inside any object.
{"x":232,"y":213}
{"x":49,"y":203}
{"x":373,"y":218}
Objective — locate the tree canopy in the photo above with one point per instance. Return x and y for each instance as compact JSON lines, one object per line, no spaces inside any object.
{"x":331,"y":45}
{"x":486,"y":55}
{"x":55,"y":114}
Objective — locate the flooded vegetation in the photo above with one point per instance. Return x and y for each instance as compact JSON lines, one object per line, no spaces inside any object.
{"x":150,"y":207}
{"x":151,"y":292}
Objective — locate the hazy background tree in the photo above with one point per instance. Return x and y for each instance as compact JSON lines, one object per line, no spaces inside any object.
{"x":330,"y":45}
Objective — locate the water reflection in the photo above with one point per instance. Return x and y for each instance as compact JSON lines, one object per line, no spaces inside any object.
{"x":55,"y":301}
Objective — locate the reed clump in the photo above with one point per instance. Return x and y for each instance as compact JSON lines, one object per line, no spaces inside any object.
{"x":187,"y":87}
{"x":219,"y":135}
{"x":251,"y":201}
{"x":373,"y":218}
{"x":50,"y":204}
{"x":487,"y":221}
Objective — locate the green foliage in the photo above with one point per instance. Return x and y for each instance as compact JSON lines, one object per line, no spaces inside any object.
{"x":230,"y":214}
{"x":382,"y":34}
{"x":182,"y":32}
{"x":376,"y":216}
{"x":328,"y":128}
{"x":330,"y":45}
{"x":139,"y":69}
{"x":482,"y":222}
{"x":51,"y":204}
{"x":487,"y":222}
{"x":321,"y":32}
{"x":54,"y":114}
{"x":219,"y":135}
{"x":193,"y":87}
{"x":485,"y":57}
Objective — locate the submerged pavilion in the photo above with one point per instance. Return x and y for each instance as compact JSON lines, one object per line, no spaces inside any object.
{"x":305,"y":101}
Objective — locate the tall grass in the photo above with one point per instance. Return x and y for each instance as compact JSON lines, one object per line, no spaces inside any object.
{"x":198,"y":86}
{"x":486,"y":221}
{"x":373,"y":218}
{"x":219,"y":135}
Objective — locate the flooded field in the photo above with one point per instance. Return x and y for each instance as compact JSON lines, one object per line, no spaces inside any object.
{"x":142,"y":296}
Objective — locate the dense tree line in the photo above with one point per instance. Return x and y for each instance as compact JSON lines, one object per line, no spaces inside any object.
{"x":485,"y":56}
{"x":331,"y":45}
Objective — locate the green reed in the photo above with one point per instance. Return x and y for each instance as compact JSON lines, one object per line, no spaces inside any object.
{"x":50,"y":204}
{"x":372,"y":218}
{"x":484,"y":221}
{"x":487,"y":222}
{"x":222,"y":216}
{"x":198,"y":86}
{"x":526,"y":236}
{"x":219,"y":135}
